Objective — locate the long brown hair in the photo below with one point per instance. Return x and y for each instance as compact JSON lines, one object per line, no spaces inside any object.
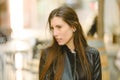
{"x":71,"y":18}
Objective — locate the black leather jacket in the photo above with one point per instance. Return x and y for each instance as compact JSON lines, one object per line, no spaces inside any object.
{"x":94,"y":61}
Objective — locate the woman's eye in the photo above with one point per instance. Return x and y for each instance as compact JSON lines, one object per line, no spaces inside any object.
{"x":56,"y":28}
{"x":59,"y":27}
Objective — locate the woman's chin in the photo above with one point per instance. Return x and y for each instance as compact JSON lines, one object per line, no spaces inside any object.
{"x":61,"y":44}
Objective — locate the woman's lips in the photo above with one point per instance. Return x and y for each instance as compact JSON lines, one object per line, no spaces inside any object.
{"x":59,"y":40}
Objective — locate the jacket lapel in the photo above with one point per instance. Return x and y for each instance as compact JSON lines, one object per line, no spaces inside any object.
{"x":67,"y":73}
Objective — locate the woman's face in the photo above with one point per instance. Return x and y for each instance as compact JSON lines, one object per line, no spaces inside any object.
{"x":62,"y":32}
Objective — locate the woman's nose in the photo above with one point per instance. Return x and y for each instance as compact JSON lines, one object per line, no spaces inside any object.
{"x":55,"y":32}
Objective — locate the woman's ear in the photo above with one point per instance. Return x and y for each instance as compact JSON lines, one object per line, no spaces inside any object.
{"x":74,"y":29}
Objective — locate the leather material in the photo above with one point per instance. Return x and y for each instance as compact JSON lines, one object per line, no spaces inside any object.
{"x":93,"y":57}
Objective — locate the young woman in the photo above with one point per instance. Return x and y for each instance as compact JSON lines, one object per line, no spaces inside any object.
{"x":69,"y":57}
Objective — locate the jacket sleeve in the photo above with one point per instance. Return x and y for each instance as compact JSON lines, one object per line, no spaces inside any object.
{"x":97,"y":75}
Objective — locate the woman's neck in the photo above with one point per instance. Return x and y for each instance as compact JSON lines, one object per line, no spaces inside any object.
{"x":71,"y":47}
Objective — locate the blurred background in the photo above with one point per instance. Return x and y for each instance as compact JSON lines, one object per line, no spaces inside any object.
{"x":24,"y":32}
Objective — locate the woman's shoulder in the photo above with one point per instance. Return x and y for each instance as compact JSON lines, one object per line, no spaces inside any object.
{"x":91,"y":50}
{"x":92,"y":54}
{"x":44,"y":52}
